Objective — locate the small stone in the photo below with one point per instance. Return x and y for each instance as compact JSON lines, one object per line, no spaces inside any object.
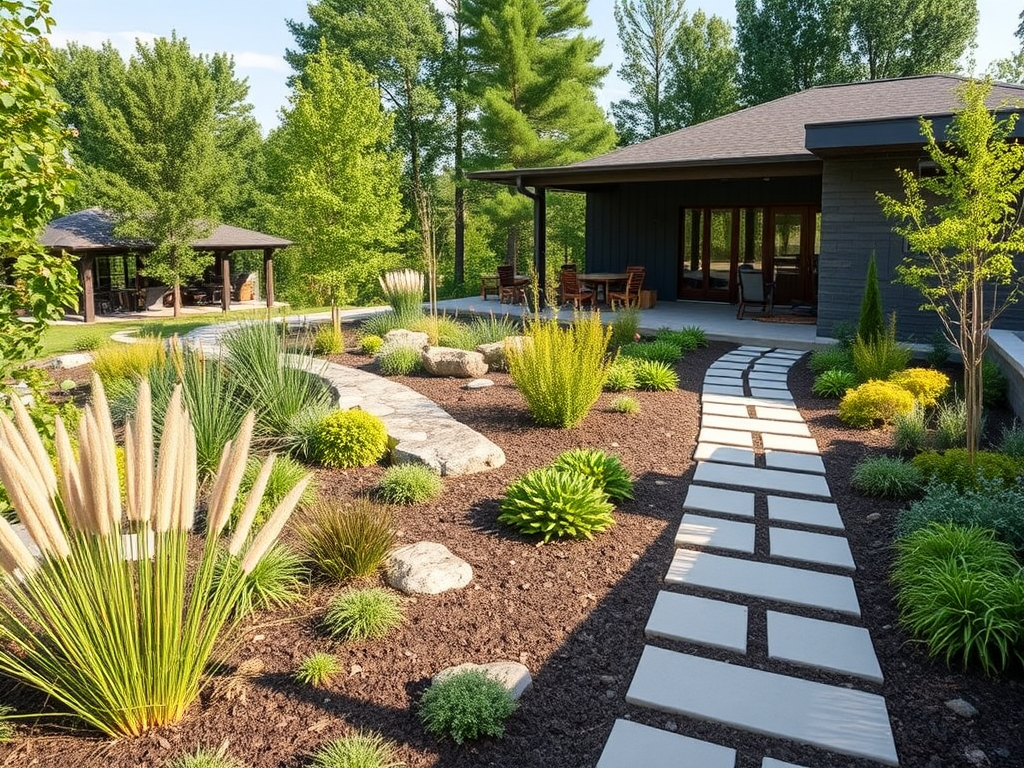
{"x":874,"y":517}
{"x":478,"y":384}
{"x":962,"y":707}
{"x":607,"y":679}
{"x":609,"y":694}
{"x":976,"y":756}
{"x":1003,"y":752}
{"x":427,"y":568}
{"x":934,"y":762}
{"x":671,"y":726}
{"x":258,"y":638}
{"x":513,"y":675}
{"x":163,"y":742}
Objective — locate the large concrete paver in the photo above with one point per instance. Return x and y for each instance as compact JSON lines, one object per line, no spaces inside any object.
{"x":745,"y":400}
{"x":703,"y":531}
{"x":724,"y":454}
{"x":789,"y":443}
{"x":822,"y":644}
{"x":632,"y":744}
{"x":725,"y":409}
{"x":846,"y":721}
{"x":804,"y":512}
{"x":770,"y":762}
{"x":777,"y":414}
{"x":725,"y":437}
{"x":794,"y":462}
{"x":808,"y":547}
{"x":703,"y":498}
{"x":721,"y":389}
{"x":699,"y":620}
{"x":781,"y":395}
{"x":798,"y":429}
{"x":766,"y":479}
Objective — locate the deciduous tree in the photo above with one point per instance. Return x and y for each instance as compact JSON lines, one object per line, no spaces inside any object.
{"x":704,"y":67}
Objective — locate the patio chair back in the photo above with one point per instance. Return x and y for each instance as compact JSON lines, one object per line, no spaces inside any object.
{"x":754,"y":290}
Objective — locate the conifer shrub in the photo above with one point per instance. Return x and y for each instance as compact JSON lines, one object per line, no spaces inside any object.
{"x":370,"y":344}
{"x":352,"y":438}
{"x":925,"y":384}
{"x":655,"y":376}
{"x":465,"y":706}
{"x":874,"y":402}
{"x":605,"y":469}
{"x":554,"y":504}
{"x":871,"y":323}
{"x":993,"y":384}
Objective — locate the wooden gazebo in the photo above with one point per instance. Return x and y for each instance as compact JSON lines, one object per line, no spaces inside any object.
{"x":89,"y":234}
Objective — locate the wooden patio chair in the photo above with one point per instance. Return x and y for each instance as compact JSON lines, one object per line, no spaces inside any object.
{"x":509,"y":286}
{"x":630,"y":295}
{"x":571,"y":290}
{"x":754,"y":290}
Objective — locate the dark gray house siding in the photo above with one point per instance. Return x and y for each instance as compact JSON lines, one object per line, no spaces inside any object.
{"x":638,"y":223}
{"x":852,"y":227}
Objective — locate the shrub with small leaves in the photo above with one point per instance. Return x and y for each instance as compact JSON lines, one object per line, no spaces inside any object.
{"x":990,"y":505}
{"x":1011,"y":442}
{"x":370,"y":344}
{"x":604,"y":468}
{"x":874,"y":402}
{"x":398,"y":360}
{"x":409,"y":484}
{"x":954,"y":466}
{"x":352,"y":438}
{"x":364,"y":614}
{"x":926,"y":385}
{"x":317,"y":669}
{"x":277,"y":580}
{"x":328,"y":341}
{"x":465,"y":706}
{"x":910,"y":432}
{"x":887,"y":478}
{"x":555,"y":505}
{"x":655,"y":376}
{"x":88,"y":343}
{"x":207,"y":758}
{"x":834,"y":383}
{"x":362,"y":749}
{"x":621,"y":376}
{"x":625,"y":404}
{"x":659,"y":349}
{"x":834,"y":358}
{"x":347,"y":542}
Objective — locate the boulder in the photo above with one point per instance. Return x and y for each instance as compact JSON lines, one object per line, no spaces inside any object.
{"x":494,"y":352}
{"x":513,"y":675}
{"x":74,"y":360}
{"x":460,"y":363}
{"x":427,"y":568}
{"x":403,"y":338}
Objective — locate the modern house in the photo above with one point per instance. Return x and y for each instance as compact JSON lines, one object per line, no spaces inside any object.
{"x":788,"y":187}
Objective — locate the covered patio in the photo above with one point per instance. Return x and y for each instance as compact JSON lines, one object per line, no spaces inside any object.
{"x":110,"y":267}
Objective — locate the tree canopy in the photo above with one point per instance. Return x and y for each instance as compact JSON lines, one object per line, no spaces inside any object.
{"x":702,"y":83}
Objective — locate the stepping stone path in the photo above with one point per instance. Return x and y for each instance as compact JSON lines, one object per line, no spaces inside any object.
{"x":754,"y":451}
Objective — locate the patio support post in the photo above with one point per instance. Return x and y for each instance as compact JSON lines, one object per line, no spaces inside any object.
{"x":88,"y":289}
{"x":268,"y":276}
{"x":540,"y":244}
{"x":225,"y":280}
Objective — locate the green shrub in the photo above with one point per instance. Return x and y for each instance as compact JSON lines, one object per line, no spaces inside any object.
{"x":845,"y":334}
{"x":352,"y":438}
{"x":954,"y":466}
{"x":938,"y":355}
{"x":285,"y":474}
{"x":881,"y":357}
{"x":834,"y":358}
{"x":625,"y":327}
{"x":993,"y":384}
{"x":926,"y":385}
{"x":621,"y":375}
{"x":362,"y":749}
{"x":960,"y":592}
{"x":493,"y":328}
{"x":604,"y":469}
{"x":128,"y":361}
{"x":887,"y":478}
{"x":398,"y":360}
{"x":627,"y":405}
{"x":696,"y":333}
{"x":88,"y":343}
{"x":370,"y":344}
{"x":560,"y":371}
{"x":317,"y":669}
{"x":659,"y":349}
{"x":380,"y":324}
{"x":951,"y":425}
{"x":655,"y":376}
{"x":409,"y":484}
{"x":347,"y":542}
{"x":871,"y":324}
{"x":989,"y":505}
{"x":910,"y":432}
{"x":466,"y":706}
{"x":206,"y":758}
{"x":874,"y":402}
{"x":328,"y":341}
{"x":403,"y":289}
{"x":364,"y":614}
{"x":555,"y":505}
{"x":276,"y":581}
{"x":685,"y":340}
{"x":833,"y":383}
{"x":1011,"y":442}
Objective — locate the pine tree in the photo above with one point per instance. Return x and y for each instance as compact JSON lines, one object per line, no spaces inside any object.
{"x":872,"y":322}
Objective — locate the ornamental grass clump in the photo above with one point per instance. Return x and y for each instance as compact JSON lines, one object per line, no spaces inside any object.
{"x":409,"y":484}
{"x":655,"y":376}
{"x":403,"y":290}
{"x":560,"y":371}
{"x":352,"y":438}
{"x":661,"y":350}
{"x":625,"y":327}
{"x":398,"y":360}
{"x":605,"y":469}
{"x":276,"y":581}
{"x":834,"y":383}
{"x":555,"y":504}
{"x":132,"y":362}
{"x":834,"y":358}
{"x":465,"y":706}
{"x":910,"y":430}
{"x":881,"y":356}
{"x":122,"y":645}
{"x":362,"y":749}
{"x":630,"y":406}
{"x":347,"y":542}
{"x":284,"y":475}
{"x":364,"y":614}
{"x":887,"y":478}
{"x":621,"y":375}
{"x":317,"y":669}
{"x":207,"y":758}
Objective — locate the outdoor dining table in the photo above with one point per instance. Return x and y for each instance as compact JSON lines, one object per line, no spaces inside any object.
{"x":598,"y":279}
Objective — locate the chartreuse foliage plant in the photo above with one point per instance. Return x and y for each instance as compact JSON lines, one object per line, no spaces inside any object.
{"x":662,"y":350}
{"x":874,"y":402}
{"x":560,"y":371}
{"x":317,"y":669}
{"x":465,"y":706}
{"x":606,"y":470}
{"x":370,"y":344}
{"x":621,"y":375}
{"x":926,"y":385}
{"x":352,"y":438}
{"x":128,"y":361}
{"x":122,"y":645}
{"x":625,"y":404}
{"x":328,"y":340}
{"x":364,"y":614}
{"x":556,"y":504}
{"x":409,"y":484}
{"x":954,"y":466}
{"x":880,"y":357}
{"x":361,"y":749}
{"x":625,"y":327}
{"x":347,"y":542}
{"x":277,"y":580}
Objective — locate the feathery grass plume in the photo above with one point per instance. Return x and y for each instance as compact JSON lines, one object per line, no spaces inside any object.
{"x":252,"y":506}
{"x":119,"y":634}
{"x":403,"y":288}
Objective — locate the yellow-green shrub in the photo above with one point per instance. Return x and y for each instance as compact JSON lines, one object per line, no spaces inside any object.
{"x":128,"y":361}
{"x":351,"y":438}
{"x":874,"y":401}
{"x":926,"y":385}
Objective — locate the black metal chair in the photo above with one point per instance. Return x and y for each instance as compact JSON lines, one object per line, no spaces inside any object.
{"x":754,"y":289}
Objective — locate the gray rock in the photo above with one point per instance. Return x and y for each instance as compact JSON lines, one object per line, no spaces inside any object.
{"x":403,"y":338}
{"x":479,"y":384}
{"x":874,"y":517}
{"x":962,"y":707}
{"x":427,"y":568}
{"x":75,"y":360}
{"x":511,"y":674}
{"x":976,"y":756}
{"x":447,"y":361}
{"x":494,"y":354}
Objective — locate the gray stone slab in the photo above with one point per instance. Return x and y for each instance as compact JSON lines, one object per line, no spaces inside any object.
{"x":724,"y":454}
{"x":767,"y":393}
{"x":791,"y":443}
{"x":631,"y":742}
{"x":794,"y":428}
{"x":766,"y":479}
{"x":773,"y":366}
{"x":725,"y":409}
{"x":770,"y":762}
{"x":725,"y":437}
{"x":721,"y":389}
{"x":777,"y":414}
{"x":810,"y":547}
{"x":795,"y":354}
{"x":794,"y":462}
{"x":842,"y":720}
{"x":823,"y":514}
{"x":729,"y":365}
{"x":705,"y":499}
{"x":762,"y":375}
{"x":724,"y":381}
{"x":728,"y":374}
{"x":699,"y":620}
{"x":702,"y":531}
{"x":752,"y":348}
{"x":822,"y":644}
{"x":779,"y":386}
{"x":745,"y":400}
{"x":770,"y":581}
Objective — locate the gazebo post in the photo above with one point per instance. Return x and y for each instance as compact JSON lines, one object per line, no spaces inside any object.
{"x":268,"y":276}
{"x":225,"y":280}
{"x":88,"y":289}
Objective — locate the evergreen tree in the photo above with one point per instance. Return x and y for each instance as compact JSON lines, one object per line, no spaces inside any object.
{"x":704,"y":67}
{"x":872,"y":322}
{"x":338,"y":185}
{"x":647,"y":32}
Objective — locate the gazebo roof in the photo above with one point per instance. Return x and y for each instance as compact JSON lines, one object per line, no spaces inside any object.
{"x":92,"y":230}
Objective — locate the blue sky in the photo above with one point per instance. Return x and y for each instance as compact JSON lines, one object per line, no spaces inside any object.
{"x":255,"y":33}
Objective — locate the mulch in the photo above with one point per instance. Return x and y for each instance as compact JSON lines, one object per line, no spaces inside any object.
{"x":573,"y":612}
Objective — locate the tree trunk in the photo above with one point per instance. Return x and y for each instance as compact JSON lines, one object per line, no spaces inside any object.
{"x":177,"y":298}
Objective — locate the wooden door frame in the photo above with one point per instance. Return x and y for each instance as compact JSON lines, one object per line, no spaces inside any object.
{"x":805,"y":259}
{"x":706,"y":292}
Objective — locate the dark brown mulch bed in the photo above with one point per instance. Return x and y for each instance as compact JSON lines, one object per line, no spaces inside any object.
{"x":574,"y":613}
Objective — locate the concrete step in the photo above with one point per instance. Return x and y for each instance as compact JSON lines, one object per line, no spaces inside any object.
{"x":699,"y":620}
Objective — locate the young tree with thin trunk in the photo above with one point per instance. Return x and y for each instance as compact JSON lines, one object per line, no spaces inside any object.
{"x":963,"y":228}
